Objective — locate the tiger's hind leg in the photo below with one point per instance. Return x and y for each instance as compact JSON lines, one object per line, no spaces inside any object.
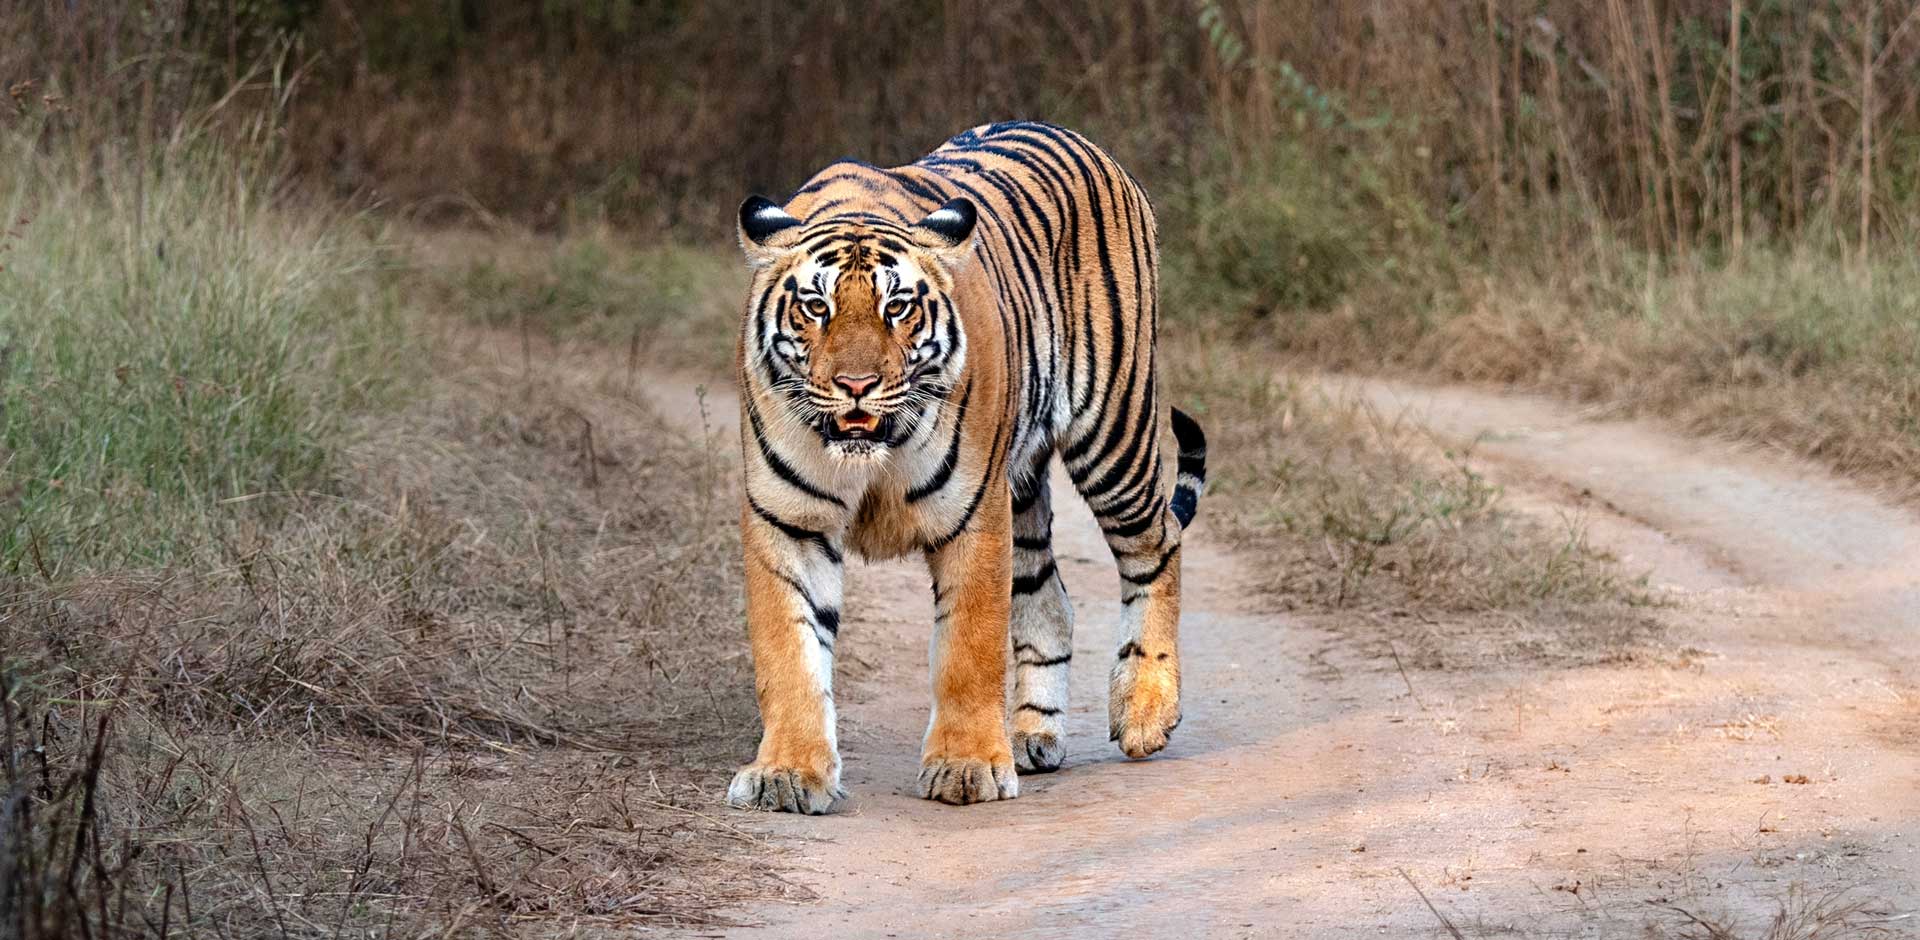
{"x":1143,"y":689}
{"x":1042,"y":629}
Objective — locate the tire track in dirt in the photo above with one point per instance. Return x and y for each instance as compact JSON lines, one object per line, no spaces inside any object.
{"x":1308,"y":773}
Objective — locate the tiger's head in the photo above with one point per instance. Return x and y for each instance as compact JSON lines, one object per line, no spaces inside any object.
{"x":851,"y":319}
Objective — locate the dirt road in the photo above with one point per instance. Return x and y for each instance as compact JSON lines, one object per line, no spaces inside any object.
{"x":1775,"y":759}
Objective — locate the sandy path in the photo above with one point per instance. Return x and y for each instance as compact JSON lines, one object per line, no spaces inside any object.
{"x":1306,"y":777}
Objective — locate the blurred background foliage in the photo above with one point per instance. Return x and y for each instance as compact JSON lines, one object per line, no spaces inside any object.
{"x":1366,"y":128}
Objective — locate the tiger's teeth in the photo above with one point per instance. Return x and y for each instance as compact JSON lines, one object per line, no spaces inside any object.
{"x":858,"y":420}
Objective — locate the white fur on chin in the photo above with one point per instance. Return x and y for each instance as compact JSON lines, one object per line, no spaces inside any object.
{"x":858,"y":452}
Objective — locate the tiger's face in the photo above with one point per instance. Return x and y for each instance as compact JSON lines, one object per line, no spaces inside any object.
{"x":852,"y":320}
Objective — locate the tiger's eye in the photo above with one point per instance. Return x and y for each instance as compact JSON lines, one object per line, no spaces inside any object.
{"x":897,"y":309}
{"x":817,"y":307}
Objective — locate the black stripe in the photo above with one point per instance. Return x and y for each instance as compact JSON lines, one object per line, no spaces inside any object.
{"x":940,"y":476}
{"x":1080,"y":447}
{"x":993,"y":470}
{"x":920,"y":190}
{"x":1029,"y":584}
{"x":823,"y":182}
{"x":1052,"y":148}
{"x":1038,"y":709}
{"x":1026,"y":327}
{"x":1192,"y":463}
{"x":1050,"y":168}
{"x":1186,"y":502}
{"x":1154,"y":575}
{"x":1127,"y":530}
{"x":1193,"y":443}
{"x":1033,"y":543}
{"x":1104,"y":254}
{"x":823,"y":207}
{"x":966,"y":517}
{"x":794,"y":532}
{"x":1055,"y":661}
{"x":1024,"y":264}
{"x":824,"y":618}
{"x":1131,"y":460}
{"x":1134,"y":493}
{"x":779,"y":465}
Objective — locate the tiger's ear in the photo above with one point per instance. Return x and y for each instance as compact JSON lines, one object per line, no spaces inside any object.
{"x":948,"y":230}
{"x":766,"y":230}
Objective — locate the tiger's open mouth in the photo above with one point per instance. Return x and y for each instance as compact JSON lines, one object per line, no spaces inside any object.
{"x":857,"y":425}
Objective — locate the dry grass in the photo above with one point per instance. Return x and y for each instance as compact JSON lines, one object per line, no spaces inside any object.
{"x":1782,"y":350}
{"x":1789,"y":350}
{"x":665,"y":305}
{"x":1801,"y":916}
{"x":1681,"y":124}
{"x":489,"y":684}
{"x":1363,"y":516}
{"x":1479,"y":158}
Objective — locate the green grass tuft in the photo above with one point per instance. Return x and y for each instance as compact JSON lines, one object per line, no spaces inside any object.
{"x":670,"y":304}
{"x":176,"y":344}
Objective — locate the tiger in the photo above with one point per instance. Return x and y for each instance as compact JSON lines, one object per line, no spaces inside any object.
{"x":918,"y":343}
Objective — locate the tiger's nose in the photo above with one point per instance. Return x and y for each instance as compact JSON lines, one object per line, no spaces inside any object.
{"x":857,"y":385}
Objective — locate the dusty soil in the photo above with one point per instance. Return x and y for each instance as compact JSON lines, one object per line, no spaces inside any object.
{"x":1773,"y":760}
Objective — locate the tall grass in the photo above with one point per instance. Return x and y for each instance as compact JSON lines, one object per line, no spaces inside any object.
{"x":1789,"y":347}
{"x":177,"y":342}
{"x":668,"y":304}
{"x":1683,"y":124}
{"x":1362,"y":515}
{"x":290,"y":646}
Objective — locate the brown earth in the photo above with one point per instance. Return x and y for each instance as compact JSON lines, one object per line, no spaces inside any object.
{"x":1774,"y":763}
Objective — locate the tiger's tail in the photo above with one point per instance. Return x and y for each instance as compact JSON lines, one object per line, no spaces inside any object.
{"x":1191,"y":482}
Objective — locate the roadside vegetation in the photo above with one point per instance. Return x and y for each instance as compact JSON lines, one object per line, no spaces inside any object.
{"x":176,"y":352}
{"x":318,"y":619}
{"x":663,"y":305}
{"x":1365,"y":525}
{"x":1696,"y":212}
{"x":1788,"y":349}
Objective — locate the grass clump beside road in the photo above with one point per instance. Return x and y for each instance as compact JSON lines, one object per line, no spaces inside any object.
{"x":663,"y":304}
{"x":318,"y":618}
{"x":171,"y":344}
{"x":492,"y":681}
{"x":1364,"y":522}
{"x":1793,"y":350}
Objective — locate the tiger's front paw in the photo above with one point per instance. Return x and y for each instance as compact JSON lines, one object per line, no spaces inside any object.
{"x":783,"y":789}
{"x":1143,"y":701}
{"x":962,"y":780}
